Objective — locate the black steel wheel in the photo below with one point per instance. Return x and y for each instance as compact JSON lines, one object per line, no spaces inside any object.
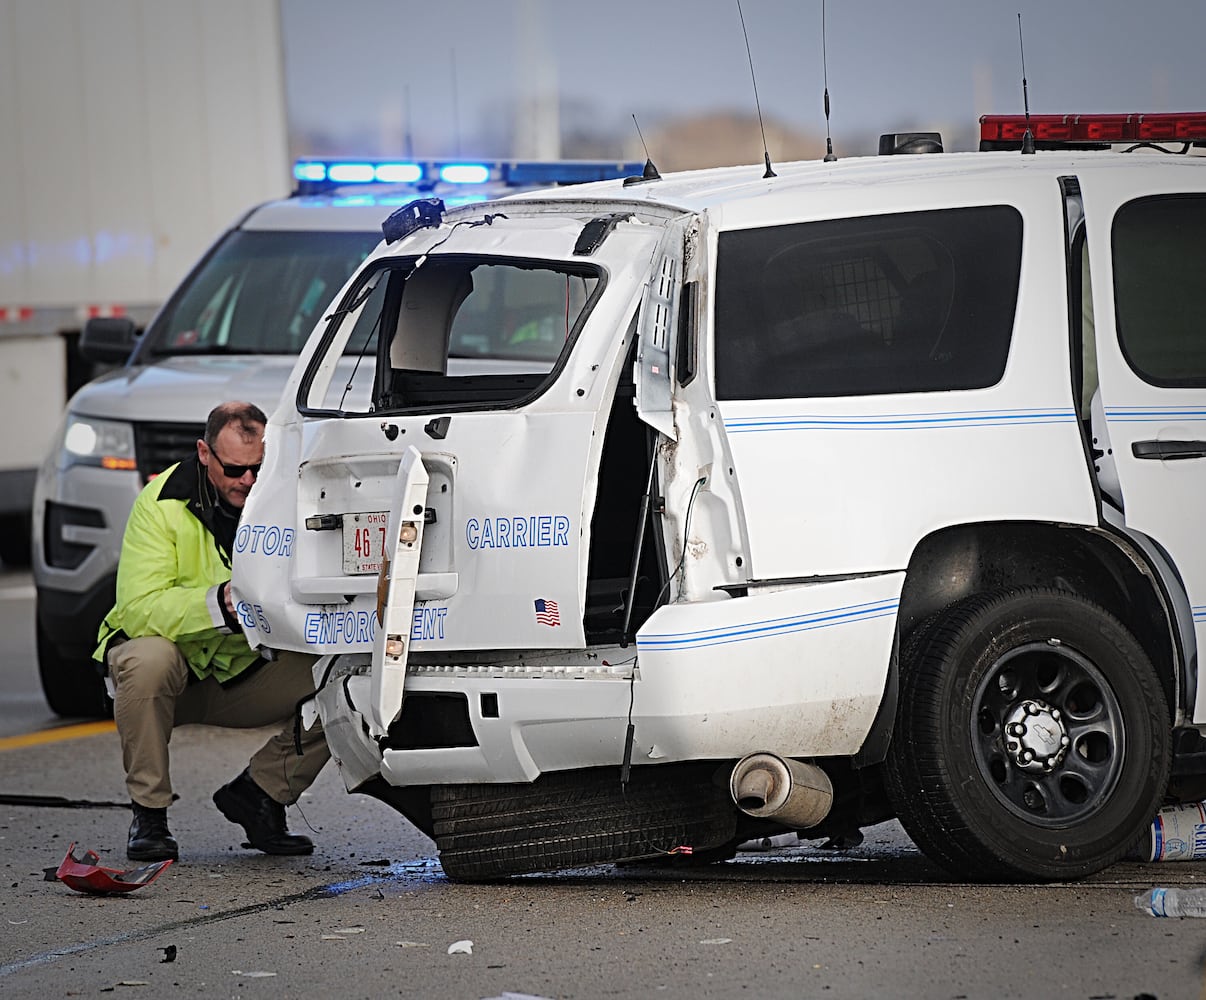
{"x":1032,"y":739}
{"x":71,"y":681}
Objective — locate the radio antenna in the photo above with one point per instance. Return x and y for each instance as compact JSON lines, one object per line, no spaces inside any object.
{"x":650,"y":172}
{"x":829,"y":157}
{"x":1027,"y":136}
{"x":757,"y":104}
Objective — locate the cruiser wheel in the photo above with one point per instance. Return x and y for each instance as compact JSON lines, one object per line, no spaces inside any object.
{"x":71,"y":683}
{"x":1032,"y":738}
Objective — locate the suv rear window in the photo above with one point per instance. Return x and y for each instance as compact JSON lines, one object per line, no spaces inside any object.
{"x":1159,"y":261}
{"x":455,"y":332}
{"x":912,"y":302}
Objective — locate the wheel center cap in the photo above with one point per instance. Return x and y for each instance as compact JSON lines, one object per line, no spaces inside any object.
{"x":1035,"y":736}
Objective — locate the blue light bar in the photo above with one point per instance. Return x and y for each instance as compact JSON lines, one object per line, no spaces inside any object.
{"x":465,"y":173}
{"x":545,"y":172}
{"x":398,"y":173}
{"x":350,"y":173}
{"x":305,"y":170}
{"x":317,"y":175}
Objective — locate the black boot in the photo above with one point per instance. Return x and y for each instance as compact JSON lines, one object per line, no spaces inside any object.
{"x":150,"y":838}
{"x":245,"y":803}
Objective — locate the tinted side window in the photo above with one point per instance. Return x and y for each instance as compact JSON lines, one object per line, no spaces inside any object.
{"x":913,"y":302}
{"x":1159,"y":266}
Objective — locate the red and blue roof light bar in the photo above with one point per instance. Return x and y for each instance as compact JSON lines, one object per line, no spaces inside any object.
{"x":314,"y":175}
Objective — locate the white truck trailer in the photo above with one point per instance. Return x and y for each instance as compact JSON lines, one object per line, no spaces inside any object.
{"x":133,"y":131}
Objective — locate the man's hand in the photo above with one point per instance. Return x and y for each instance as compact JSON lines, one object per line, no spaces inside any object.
{"x":226,"y":598}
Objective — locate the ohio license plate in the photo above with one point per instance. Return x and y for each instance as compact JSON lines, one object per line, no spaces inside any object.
{"x":364,"y":542}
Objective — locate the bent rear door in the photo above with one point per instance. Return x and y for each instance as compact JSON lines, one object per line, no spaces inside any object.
{"x":498,"y":368}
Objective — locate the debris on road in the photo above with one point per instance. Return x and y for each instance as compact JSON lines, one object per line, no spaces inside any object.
{"x":1177,"y":833}
{"x":460,"y":948}
{"x":86,"y":875}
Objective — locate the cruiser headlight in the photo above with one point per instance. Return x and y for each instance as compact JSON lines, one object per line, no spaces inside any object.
{"x":108,"y":444}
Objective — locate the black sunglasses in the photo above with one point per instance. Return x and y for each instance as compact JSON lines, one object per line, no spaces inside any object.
{"x":236,"y":471}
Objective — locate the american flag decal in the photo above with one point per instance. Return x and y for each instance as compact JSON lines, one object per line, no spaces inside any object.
{"x":546,"y":613}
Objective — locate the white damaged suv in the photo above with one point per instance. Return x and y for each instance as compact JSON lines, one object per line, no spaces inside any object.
{"x":664,"y":513}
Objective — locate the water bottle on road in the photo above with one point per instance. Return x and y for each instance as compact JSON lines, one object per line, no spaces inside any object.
{"x":1173,"y":902}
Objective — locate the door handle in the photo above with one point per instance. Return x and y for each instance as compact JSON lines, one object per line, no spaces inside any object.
{"x":1168,"y":450}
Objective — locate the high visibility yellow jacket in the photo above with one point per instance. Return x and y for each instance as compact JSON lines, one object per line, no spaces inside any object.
{"x":175,"y":556}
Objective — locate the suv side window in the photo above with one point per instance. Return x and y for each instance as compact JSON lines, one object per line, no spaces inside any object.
{"x":912,"y":302}
{"x":1159,"y":249}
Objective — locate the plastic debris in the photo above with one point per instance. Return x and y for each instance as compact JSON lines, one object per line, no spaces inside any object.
{"x":412,"y":944}
{"x":716,"y":941}
{"x":1177,"y":833}
{"x":252,"y":975}
{"x":1162,"y":902}
{"x":349,"y":930}
{"x":169,"y":954}
{"x":86,"y":875}
{"x":460,"y":948}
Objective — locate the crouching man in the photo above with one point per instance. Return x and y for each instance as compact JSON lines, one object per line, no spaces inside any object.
{"x":176,"y":655}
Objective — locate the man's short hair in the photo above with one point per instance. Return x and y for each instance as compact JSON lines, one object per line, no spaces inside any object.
{"x":249,"y":418}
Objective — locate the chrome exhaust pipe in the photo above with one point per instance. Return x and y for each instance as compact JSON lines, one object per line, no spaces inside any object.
{"x":787,"y":791}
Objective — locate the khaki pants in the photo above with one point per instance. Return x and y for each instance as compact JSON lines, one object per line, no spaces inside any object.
{"x":153,"y":695}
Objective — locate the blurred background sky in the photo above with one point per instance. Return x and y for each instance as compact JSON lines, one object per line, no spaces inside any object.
{"x":542,"y":78}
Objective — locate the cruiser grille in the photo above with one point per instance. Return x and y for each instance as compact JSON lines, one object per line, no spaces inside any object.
{"x":160,"y":445}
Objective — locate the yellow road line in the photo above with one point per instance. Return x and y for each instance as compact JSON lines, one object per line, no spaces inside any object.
{"x":57,"y":735}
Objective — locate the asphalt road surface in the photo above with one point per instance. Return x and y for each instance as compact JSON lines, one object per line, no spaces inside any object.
{"x":370,"y":914}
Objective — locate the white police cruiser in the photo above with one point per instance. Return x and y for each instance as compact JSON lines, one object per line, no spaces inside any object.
{"x":663,"y":513}
{"x":232,"y":330}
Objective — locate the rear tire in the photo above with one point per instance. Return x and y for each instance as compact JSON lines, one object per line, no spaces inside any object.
{"x":71,"y":682}
{"x":1032,"y":739}
{"x":577,"y":818}
{"x":15,"y":544}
